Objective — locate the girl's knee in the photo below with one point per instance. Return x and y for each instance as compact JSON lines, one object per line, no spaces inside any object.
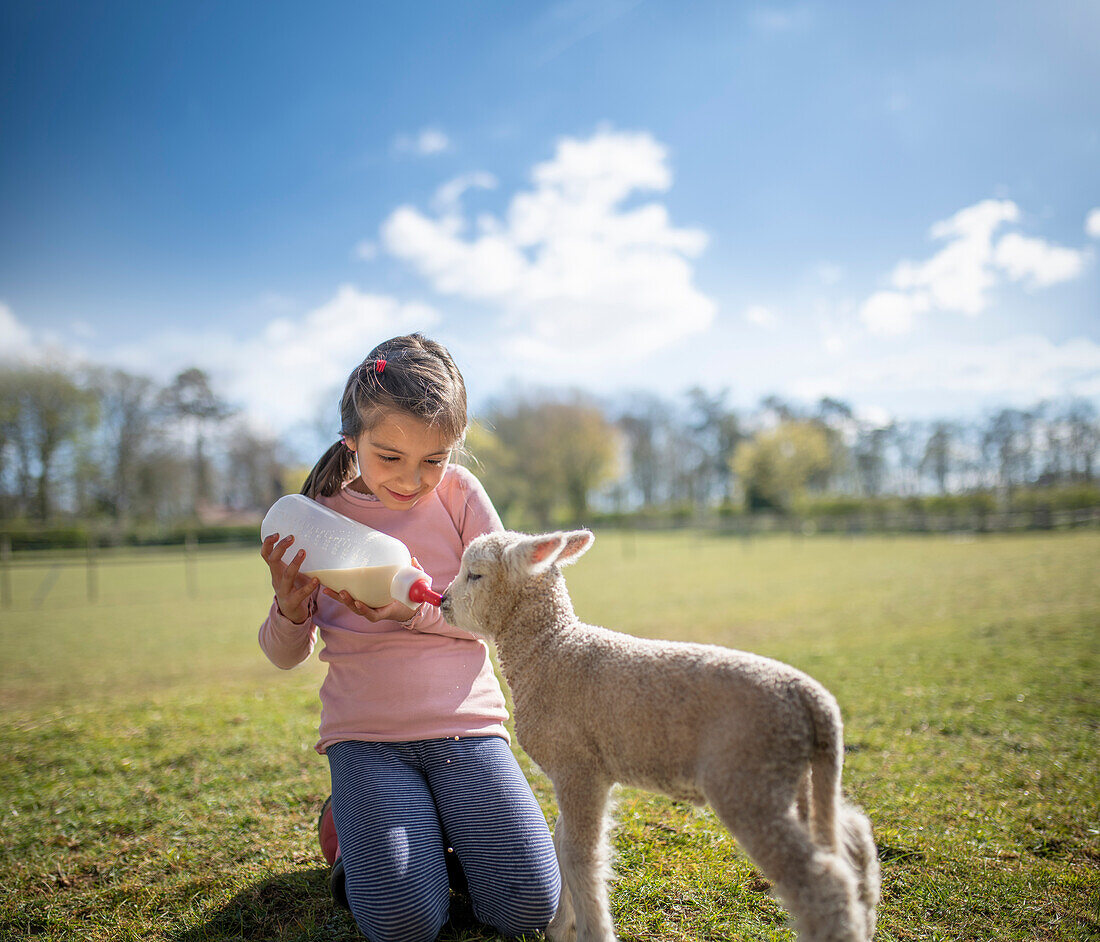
{"x":523,"y":912}
{"x":412,"y":911}
{"x":402,"y":925}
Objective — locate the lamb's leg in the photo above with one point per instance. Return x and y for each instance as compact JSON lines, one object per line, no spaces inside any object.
{"x":581,"y":841}
{"x":563,"y":927}
{"x":819,"y":887}
{"x":859,"y":848}
{"x":804,"y":798}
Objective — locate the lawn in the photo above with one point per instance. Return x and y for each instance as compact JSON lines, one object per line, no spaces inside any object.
{"x":160,"y":783}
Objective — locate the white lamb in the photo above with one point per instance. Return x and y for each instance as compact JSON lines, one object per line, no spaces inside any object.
{"x":758,"y":740}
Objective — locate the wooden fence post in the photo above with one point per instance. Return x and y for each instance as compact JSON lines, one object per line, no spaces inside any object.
{"x":5,"y":571}
{"x":189,"y":565}
{"x":90,"y":581}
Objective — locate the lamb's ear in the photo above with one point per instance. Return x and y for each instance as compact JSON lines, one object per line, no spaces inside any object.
{"x":577,"y":543}
{"x":534,"y":554}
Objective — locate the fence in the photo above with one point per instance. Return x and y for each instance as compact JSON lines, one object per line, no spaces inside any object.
{"x":869,"y":521}
{"x":52,"y":563}
{"x":1042,"y":518}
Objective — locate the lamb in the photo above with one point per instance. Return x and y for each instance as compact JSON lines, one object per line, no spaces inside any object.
{"x":758,"y":740}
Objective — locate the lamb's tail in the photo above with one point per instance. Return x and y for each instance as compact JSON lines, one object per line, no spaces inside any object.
{"x":826,"y":763}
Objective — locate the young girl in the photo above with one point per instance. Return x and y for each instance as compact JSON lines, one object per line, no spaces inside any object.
{"x":412,"y":716}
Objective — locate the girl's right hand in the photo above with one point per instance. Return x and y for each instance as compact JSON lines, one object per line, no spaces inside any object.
{"x":292,"y":589}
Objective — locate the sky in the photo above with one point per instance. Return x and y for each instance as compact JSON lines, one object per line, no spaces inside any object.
{"x":893,"y":204}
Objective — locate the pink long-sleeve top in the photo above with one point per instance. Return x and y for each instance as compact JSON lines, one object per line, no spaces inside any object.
{"x":394,"y":682}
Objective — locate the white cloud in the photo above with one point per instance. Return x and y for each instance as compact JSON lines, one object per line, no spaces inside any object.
{"x":490,"y":267}
{"x":1020,"y":370}
{"x":19,"y":343}
{"x":957,"y":277}
{"x":1024,"y":258}
{"x":448,"y":198}
{"x":761,"y":316}
{"x":575,"y":274}
{"x":874,"y":416}
{"x":366,"y":250}
{"x":892,"y":312}
{"x":1092,"y":223}
{"x":425,"y":143}
{"x":828,"y":273}
{"x":15,"y":339}
{"x":83,"y":330}
{"x":289,"y":371}
{"x":283,"y":373}
{"x":961,"y":275}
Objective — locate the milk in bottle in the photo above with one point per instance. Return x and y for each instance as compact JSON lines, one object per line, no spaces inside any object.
{"x":373,"y":567}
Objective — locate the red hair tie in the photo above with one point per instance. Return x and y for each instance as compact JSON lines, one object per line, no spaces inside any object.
{"x":379,"y":365}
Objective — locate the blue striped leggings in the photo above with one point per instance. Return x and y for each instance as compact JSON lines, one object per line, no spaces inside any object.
{"x":392,"y":804}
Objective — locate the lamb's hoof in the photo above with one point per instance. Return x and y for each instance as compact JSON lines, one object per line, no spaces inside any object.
{"x":562,"y":930}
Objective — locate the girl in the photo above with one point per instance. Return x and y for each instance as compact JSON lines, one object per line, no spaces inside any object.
{"x":412,"y":716}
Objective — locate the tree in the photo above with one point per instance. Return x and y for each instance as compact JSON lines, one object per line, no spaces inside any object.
{"x":718,"y":430}
{"x":870,"y":458}
{"x":254,"y":473}
{"x":496,"y":465}
{"x":190,"y":399}
{"x":164,"y":490}
{"x":1082,"y":440}
{"x":15,"y":456}
{"x":841,"y":427}
{"x":645,"y":428}
{"x":556,"y":452}
{"x":834,"y":413}
{"x":1008,"y":442}
{"x":937,"y":457}
{"x":776,"y":465}
{"x":777,"y":409}
{"x":588,"y":446}
{"x":127,"y":428}
{"x":51,"y":410}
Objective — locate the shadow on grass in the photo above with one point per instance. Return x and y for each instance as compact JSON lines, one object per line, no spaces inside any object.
{"x":296,"y":907}
{"x":289,"y":907}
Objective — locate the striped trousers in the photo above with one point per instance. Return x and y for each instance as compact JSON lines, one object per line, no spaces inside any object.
{"x":398,"y":806}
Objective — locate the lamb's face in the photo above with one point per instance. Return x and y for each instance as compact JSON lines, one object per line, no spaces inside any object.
{"x":480,"y":583}
{"x":497,"y":566}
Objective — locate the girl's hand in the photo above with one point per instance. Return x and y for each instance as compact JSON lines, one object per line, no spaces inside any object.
{"x":394,"y":611}
{"x":292,"y":589}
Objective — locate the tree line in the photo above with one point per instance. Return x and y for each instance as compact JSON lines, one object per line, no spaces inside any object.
{"x":113,"y":446}
{"x":695,"y":453}
{"x":108,"y":444}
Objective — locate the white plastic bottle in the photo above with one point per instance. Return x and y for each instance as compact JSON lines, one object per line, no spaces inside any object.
{"x":373,"y":567}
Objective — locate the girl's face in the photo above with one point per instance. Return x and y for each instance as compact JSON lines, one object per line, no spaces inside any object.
{"x":401,"y":459}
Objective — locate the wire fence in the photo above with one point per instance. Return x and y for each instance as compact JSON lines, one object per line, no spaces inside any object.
{"x":43,"y":569}
{"x":871,"y":522}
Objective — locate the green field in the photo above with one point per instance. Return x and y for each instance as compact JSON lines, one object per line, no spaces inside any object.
{"x":159,"y":779}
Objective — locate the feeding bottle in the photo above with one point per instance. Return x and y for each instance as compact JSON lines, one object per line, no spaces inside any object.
{"x":373,"y":567}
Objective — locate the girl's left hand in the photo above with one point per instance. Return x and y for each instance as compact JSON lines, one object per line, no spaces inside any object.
{"x":395,"y":611}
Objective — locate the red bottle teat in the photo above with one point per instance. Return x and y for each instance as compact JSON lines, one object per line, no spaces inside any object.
{"x":421,"y":591}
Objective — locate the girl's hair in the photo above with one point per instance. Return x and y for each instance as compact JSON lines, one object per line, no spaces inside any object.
{"x":408,"y":374}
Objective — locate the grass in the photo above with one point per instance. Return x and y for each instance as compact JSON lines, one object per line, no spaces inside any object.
{"x":159,"y":780}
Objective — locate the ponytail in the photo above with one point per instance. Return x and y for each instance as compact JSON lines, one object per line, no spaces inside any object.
{"x":337,"y":465}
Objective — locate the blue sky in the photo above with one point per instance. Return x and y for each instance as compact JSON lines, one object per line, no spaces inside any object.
{"x":896,"y":204}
